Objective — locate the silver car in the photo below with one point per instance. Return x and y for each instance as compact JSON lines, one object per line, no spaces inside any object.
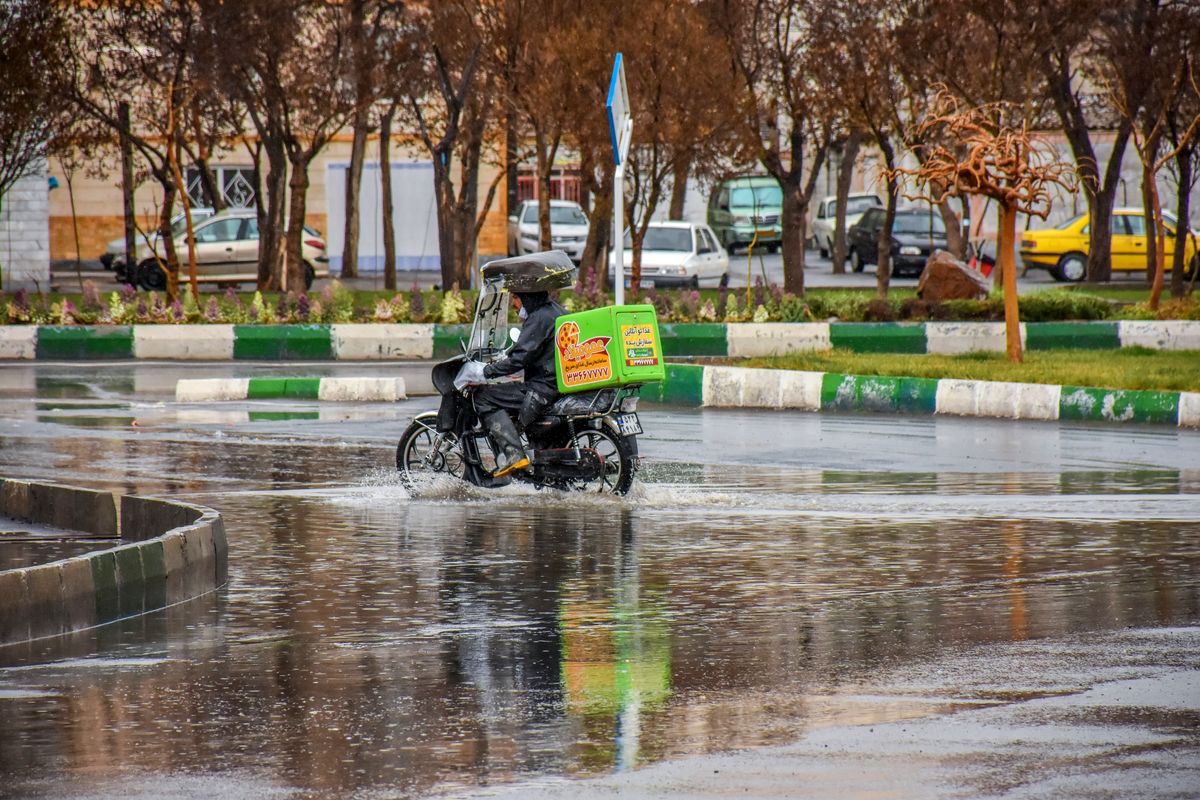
{"x":113,"y":256}
{"x":227,"y":252}
{"x":568,"y":229}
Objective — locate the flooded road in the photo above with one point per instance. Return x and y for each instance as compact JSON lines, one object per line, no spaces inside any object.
{"x":379,"y":642}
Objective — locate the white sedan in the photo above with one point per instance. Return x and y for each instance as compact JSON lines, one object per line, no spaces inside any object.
{"x":568,"y":229}
{"x":677,"y":254}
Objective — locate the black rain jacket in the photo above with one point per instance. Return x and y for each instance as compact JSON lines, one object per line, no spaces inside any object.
{"x":534,"y":350}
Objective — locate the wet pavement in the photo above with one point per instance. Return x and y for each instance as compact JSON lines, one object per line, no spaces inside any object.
{"x":857,"y":605}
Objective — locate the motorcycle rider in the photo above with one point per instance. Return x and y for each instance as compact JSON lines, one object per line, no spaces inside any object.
{"x":533,"y":353}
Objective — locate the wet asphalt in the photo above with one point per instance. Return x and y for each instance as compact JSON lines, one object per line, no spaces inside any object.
{"x":787,"y":605}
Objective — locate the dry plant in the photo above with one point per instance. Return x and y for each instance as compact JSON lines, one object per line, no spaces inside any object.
{"x":973,"y":150}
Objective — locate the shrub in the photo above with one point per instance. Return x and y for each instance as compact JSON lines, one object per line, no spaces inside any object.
{"x":1055,"y":306}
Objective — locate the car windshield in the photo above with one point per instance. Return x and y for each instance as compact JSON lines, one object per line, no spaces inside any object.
{"x":857,"y":205}
{"x":559,"y":215}
{"x":756,"y":197}
{"x":674,"y":239}
{"x":918,"y":223}
{"x":1062,"y":226}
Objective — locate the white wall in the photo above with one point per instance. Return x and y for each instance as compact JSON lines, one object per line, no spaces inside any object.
{"x":414,"y":215}
{"x":25,"y":232}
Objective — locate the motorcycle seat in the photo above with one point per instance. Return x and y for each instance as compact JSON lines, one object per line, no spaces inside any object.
{"x":582,"y":404}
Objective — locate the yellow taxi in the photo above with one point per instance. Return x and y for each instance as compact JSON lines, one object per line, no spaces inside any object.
{"x":1064,"y":249}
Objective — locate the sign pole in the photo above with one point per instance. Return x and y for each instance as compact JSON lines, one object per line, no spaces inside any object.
{"x":620,"y":126}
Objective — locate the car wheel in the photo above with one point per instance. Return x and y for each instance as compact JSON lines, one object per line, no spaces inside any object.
{"x":1071,"y":268}
{"x":856,"y":262}
{"x":773,"y":248}
{"x":824,"y":251}
{"x":310,"y":275}
{"x":694,"y":283}
{"x":150,"y":276}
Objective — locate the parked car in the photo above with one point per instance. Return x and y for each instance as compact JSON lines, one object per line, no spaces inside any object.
{"x":568,"y":229}
{"x":740,"y":208}
{"x":227,"y":252}
{"x":1063,"y":249}
{"x":916,"y":233}
{"x":676,"y":254}
{"x":826,"y":218}
{"x":113,"y":256}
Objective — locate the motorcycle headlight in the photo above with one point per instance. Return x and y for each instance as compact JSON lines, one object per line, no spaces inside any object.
{"x":629,"y":404}
{"x":909,"y":250}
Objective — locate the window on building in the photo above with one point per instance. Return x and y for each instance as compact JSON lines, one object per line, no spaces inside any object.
{"x":235,"y":183}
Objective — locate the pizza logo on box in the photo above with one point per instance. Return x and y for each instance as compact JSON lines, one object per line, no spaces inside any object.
{"x":582,"y":362}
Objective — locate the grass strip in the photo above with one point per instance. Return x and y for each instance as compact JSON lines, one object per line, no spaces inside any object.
{"x":1128,"y":368}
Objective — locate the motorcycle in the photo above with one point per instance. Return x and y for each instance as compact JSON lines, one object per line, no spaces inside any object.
{"x":585,"y":441}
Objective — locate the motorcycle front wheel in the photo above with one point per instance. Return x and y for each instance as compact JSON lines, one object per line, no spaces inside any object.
{"x":423,"y":451}
{"x":617,"y":454}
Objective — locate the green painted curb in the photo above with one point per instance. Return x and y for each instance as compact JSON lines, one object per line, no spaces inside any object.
{"x":84,"y":342}
{"x":1072,"y":336}
{"x":878,"y":393}
{"x":1084,"y":403}
{"x":878,"y":337}
{"x":260,"y":388}
{"x":279,"y":416}
{"x":104,"y":577}
{"x":281,"y":342}
{"x":694,"y":339}
{"x":447,"y":340}
{"x":684,"y":386}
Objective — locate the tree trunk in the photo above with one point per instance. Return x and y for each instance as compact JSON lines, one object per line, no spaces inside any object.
{"x":955,"y":242}
{"x":545,"y":163}
{"x":443,"y":188}
{"x":679,"y":184}
{"x":595,"y":250}
{"x":844,"y":177}
{"x":297,"y":205}
{"x":385,"y":189}
{"x":1157,"y":244}
{"x":1100,"y":235}
{"x":793,"y":224}
{"x":1183,"y":196}
{"x":127,"y":190}
{"x":169,"y":261}
{"x":883,"y":267}
{"x":270,"y":231}
{"x":511,"y":165}
{"x":358,"y":150}
{"x":1007,"y":264}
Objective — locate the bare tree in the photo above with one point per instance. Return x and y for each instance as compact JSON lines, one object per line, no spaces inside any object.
{"x":783,"y":102}
{"x":993,"y":155}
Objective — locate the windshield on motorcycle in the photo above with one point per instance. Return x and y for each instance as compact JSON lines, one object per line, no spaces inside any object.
{"x":489,"y":335}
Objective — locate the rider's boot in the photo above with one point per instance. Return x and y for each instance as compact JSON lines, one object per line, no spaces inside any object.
{"x":504,"y":433}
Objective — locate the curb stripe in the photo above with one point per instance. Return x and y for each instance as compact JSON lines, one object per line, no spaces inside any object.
{"x":204,"y":390}
{"x":423,"y":341}
{"x":741,"y":387}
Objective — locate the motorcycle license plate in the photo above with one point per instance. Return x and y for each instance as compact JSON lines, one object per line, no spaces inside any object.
{"x":628,"y":424}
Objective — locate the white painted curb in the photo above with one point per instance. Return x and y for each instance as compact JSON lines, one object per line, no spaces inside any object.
{"x":206,"y":389}
{"x":18,"y":341}
{"x":190,"y":342}
{"x":359,"y":390}
{"x":750,"y":340}
{"x":743,"y":387}
{"x":1189,"y":409}
{"x":1160,"y":334}
{"x":998,"y":399}
{"x":953,"y":338}
{"x":370,"y":342}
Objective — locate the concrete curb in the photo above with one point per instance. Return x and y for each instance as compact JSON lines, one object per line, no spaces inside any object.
{"x":169,"y":552}
{"x":392,"y":342}
{"x":741,"y":387}
{"x":344,"y":390}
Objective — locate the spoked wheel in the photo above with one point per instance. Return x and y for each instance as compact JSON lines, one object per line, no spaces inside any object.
{"x":617,"y":455}
{"x":423,"y":451}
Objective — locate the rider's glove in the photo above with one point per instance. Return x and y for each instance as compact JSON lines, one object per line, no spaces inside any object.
{"x":471,"y":374}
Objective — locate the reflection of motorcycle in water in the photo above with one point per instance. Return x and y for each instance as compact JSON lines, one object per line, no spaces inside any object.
{"x":584,"y":441}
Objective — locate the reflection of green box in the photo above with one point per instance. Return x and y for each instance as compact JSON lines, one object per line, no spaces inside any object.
{"x":610,"y":346}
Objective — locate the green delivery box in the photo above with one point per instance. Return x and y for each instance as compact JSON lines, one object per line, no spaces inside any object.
{"x":610,"y":346}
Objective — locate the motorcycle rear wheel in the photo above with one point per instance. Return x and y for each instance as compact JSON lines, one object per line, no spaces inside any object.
{"x":619,"y":463}
{"x":416,"y":455}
